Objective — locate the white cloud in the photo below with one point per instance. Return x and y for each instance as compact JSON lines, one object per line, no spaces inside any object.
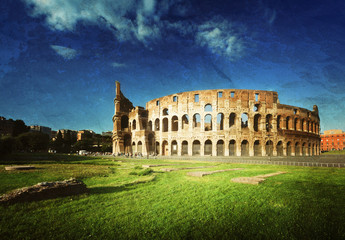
{"x":221,"y":37}
{"x":65,"y":52}
{"x":118,"y":65}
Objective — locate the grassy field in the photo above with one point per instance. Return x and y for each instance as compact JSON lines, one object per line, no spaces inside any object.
{"x":124,"y":203}
{"x":335,"y":152}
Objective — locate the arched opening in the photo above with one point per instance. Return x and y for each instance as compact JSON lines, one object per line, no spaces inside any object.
{"x":134,"y":150}
{"x":288,"y":149}
{"x":295,"y":124}
{"x":124,"y":122}
{"x":140,"y":147}
{"x":127,"y":144}
{"x":174,"y":147}
{"x":143,"y":124}
{"x":165,"y":124}
{"x":278,"y":122}
{"x":257,"y":119}
{"x":196,"y":120}
{"x":184,"y":148}
{"x":232,"y":148}
{"x":165,"y":149}
{"x":208,"y":148}
{"x":269,"y":148}
{"x":220,"y":148}
{"x":304,"y":149}
{"x":208,"y":122}
{"x":280,"y":148}
{"x":244,"y":148}
{"x":269,"y":125}
{"x":220,"y":121}
{"x":257,"y":148}
{"x":185,"y":122}
{"x":151,"y":144}
{"x":232,"y":119}
{"x":287,"y":122}
{"x":308,"y":126}
{"x":157,"y":124}
{"x":302,"y":125}
{"x":244,"y":120}
{"x":149,"y":126}
{"x":157,"y":148}
{"x":174,"y":124}
{"x":134,"y":124}
{"x":196,"y":148}
{"x":208,"y":108}
{"x":165,"y":112}
{"x":297,"y":149}
{"x":309,"y":149}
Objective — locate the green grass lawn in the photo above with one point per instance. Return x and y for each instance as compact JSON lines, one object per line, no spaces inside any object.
{"x":304,"y":203}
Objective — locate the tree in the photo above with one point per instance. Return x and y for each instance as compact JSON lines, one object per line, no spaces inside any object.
{"x":33,"y":141}
{"x":7,"y":145}
{"x":19,"y":127}
{"x":58,"y":143}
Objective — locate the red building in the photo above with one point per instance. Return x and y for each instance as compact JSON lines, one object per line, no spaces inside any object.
{"x":333,"y":140}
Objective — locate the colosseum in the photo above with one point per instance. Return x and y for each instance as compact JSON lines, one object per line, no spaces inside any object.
{"x":220,"y":122}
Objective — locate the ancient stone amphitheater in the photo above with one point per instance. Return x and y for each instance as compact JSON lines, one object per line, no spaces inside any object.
{"x":221,"y":122}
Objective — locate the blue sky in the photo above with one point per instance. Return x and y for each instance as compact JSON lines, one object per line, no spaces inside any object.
{"x":59,"y":59}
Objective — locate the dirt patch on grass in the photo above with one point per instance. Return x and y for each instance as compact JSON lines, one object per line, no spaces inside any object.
{"x":256,"y":179}
{"x":201,"y":174}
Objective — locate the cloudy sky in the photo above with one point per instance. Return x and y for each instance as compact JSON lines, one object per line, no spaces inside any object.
{"x":59,"y":59}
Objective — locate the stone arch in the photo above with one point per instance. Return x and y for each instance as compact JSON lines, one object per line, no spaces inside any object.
{"x":232,"y":148}
{"x":140,"y":147}
{"x":157,"y":148}
{"x":124,"y":122}
{"x":287,"y":126}
{"x":196,"y":120}
{"x":185,"y":122}
{"x":134,"y":124}
{"x":174,"y":148}
{"x":280,"y":149}
{"x":304,"y":149}
{"x":257,"y":148}
{"x":127,"y":140}
{"x":295,"y":124}
{"x":165,"y":149}
{"x":174,"y":124}
{"x":288,"y":149}
{"x":149,"y":126}
{"x":244,"y":120}
{"x":134,"y":150}
{"x":269,"y":125}
{"x":208,"y":122}
{"x":184,"y":148}
{"x":150,"y":144}
{"x":208,"y":107}
{"x":269,"y":148}
{"x":220,"y":148}
{"x":165,"y":127}
{"x":157,"y":124}
{"x":196,"y":148}
{"x":297,"y":149}
{"x":279,"y":122}
{"x":257,"y":119}
{"x":302,"y":125}
{"x":208,"y":148}
{"x":220,"y":121}
{"x":165,"y":112}
{"x":232,"y":120}
{"x":244,"y":148}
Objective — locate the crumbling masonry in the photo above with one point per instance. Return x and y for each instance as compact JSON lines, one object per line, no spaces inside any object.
{"x":221,"y":122}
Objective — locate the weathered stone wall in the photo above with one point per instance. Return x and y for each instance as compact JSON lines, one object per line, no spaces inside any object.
{"x":222,"y":122}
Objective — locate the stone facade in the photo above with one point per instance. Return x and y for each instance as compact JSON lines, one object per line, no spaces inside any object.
{"x":333,"y":140}
{"x":221,"y":122}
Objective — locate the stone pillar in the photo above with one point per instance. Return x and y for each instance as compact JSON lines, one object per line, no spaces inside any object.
{"x":226,"y":148}
{"x":179,"y":148}
{"x":251,"y":147}
{"x":190,"y":148}
{"x":202,"y":148}
{"x":214,"y":148}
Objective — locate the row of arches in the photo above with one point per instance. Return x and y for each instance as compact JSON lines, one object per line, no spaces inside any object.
{"x":257,"y":123}
{"x":224,"y":148}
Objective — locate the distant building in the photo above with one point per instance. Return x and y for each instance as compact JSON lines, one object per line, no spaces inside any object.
{"x":73,"y":133}
{"x":85,"y":134}
{"x":6,"y":127}
{"x":107,"y":134}
{"x":333,"y":139}
{"x":42,"y":129}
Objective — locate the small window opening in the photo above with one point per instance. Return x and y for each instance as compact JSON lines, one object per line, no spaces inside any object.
{"x":256,"y":97}
{"x":232,"y":94}
{"x":244,"y":120}
{"x":220,"y":94}
{"x":157,"y":103}
{"x":295,"y":111}
{"x":175,"y":98}
{"x":196,"y":97}
{"x":208,"y":108}
{"x":256,"y":108}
